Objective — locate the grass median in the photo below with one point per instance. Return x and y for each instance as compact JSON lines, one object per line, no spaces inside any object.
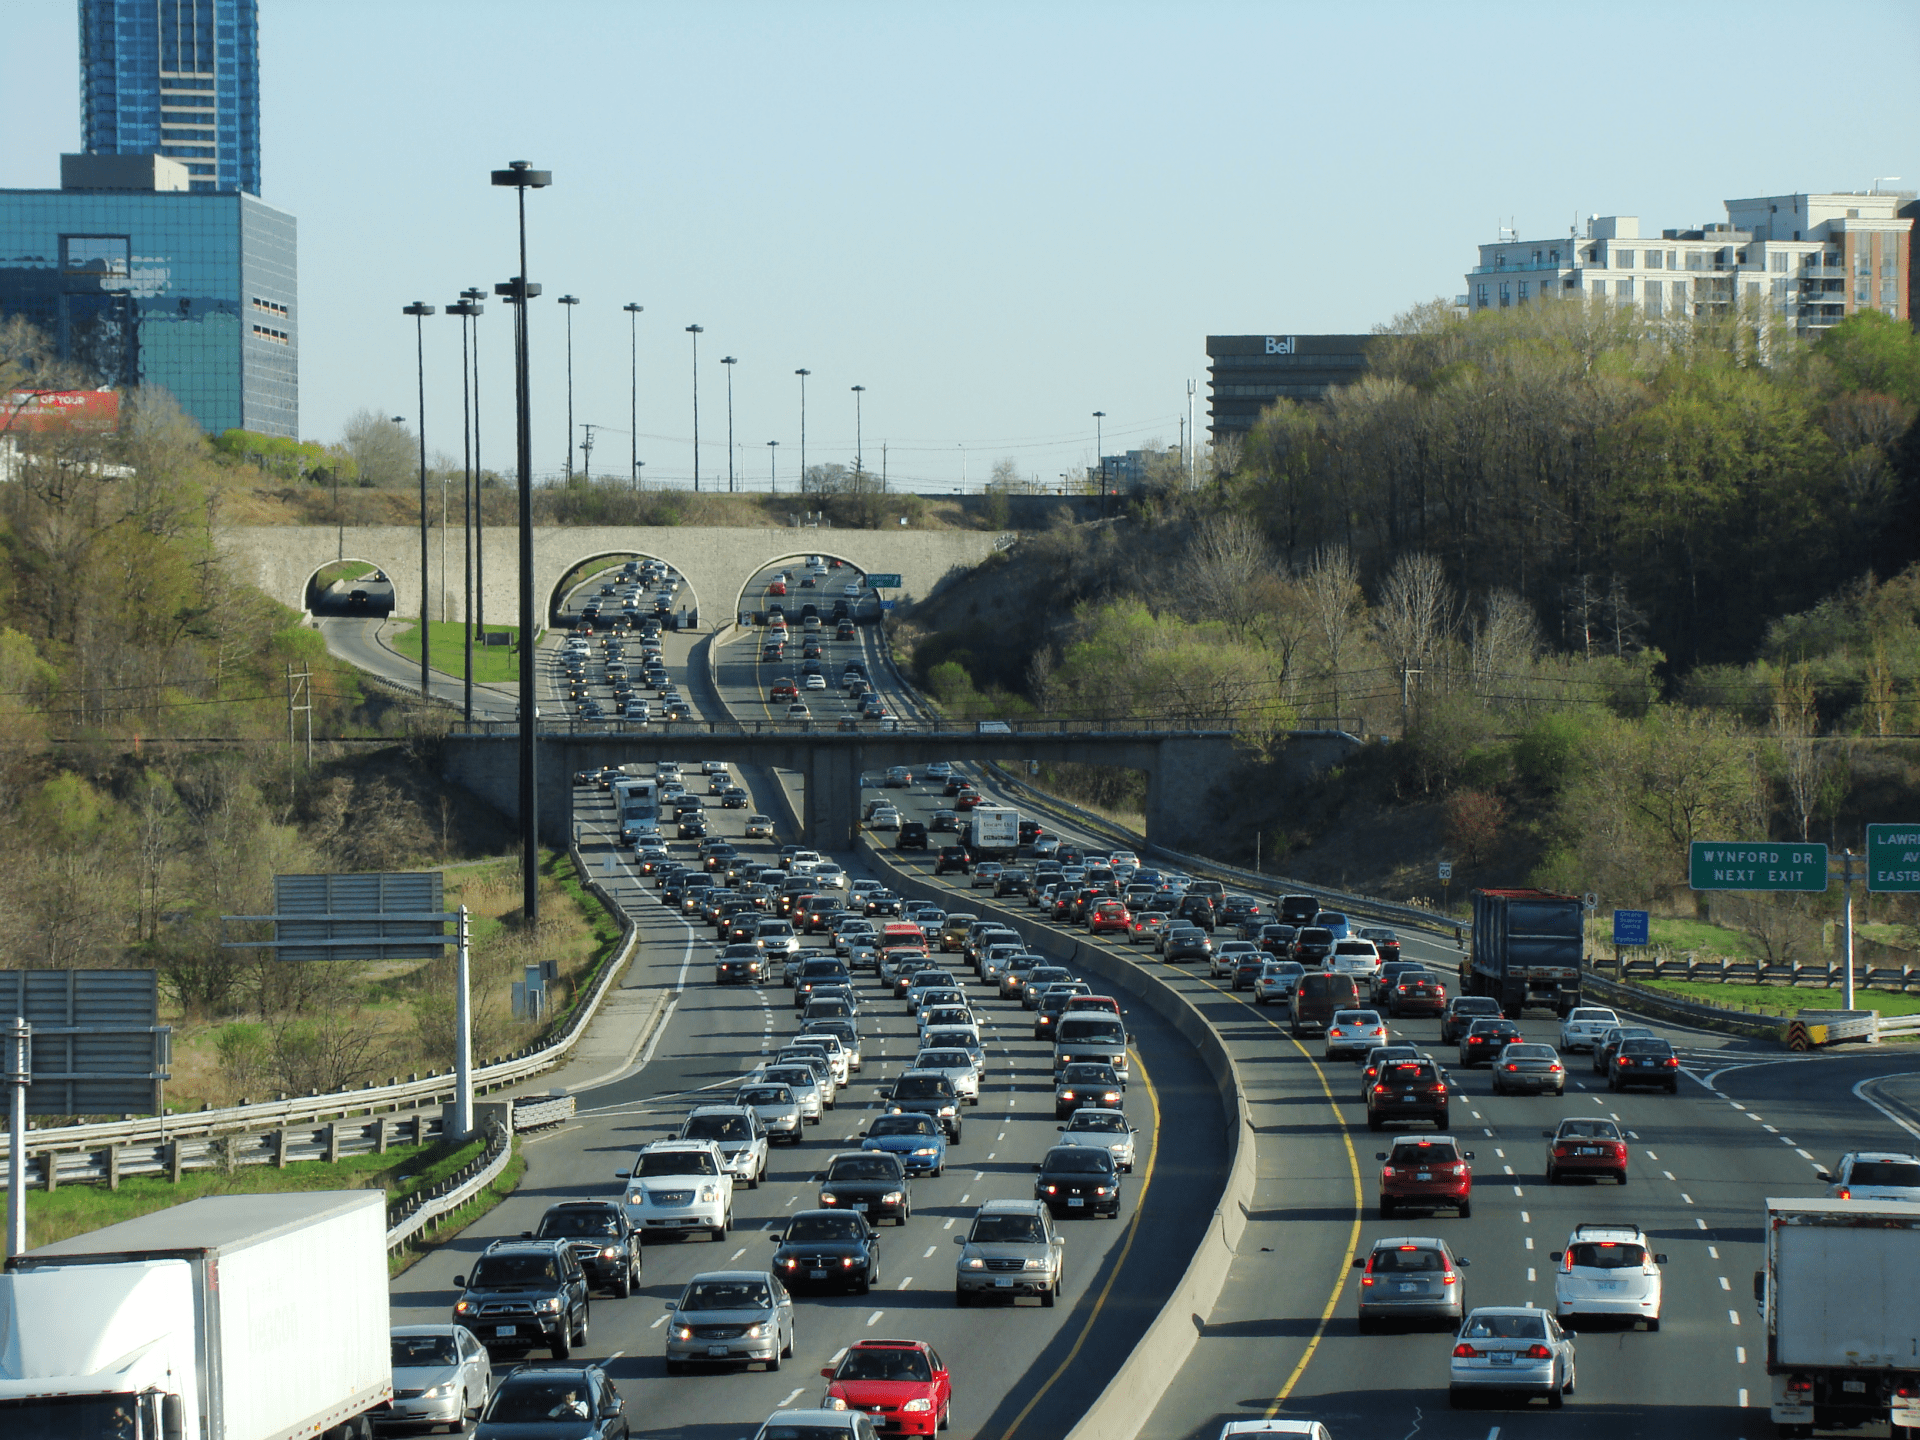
{"x":492,"y":664}
{"x":1781,"y":999}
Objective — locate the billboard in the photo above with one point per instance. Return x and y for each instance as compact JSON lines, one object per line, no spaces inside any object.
{"x":60,"y":410}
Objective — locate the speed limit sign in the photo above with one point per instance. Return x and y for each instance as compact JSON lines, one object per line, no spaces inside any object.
{"x":1446,"y":869}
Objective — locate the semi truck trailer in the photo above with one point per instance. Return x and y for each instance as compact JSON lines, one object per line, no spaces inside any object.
{"x":1527,"y":949}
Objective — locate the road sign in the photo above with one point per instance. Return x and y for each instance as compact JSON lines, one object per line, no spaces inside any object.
{"x":886,"y":604}
{"x":1736,"y":865}
{"x":883,"y":582}
{"x":1446,"y":870}
{"x":1631,"y":927}
{"x":98,"y":1047}
{"x":1893,"y":858}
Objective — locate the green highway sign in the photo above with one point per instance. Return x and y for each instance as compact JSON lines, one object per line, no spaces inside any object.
{"x":1893,"y":858}
{"x":883,"y":582}
{"x":1735,"y":865}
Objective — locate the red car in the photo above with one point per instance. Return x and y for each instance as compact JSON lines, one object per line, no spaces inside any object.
{"x":1427,"y":1173}
{"x":1586,"y":1147}
{"x":903,"y":1384}
{"x":1109,"y":916}
{"x":1079,"y":1004}
{"x":783,"y":690}
{"x":967,"y":799}
{"x":778,"y":587}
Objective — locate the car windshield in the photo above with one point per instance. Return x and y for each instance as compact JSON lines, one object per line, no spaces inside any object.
{"x":1645,"y":1047}
{"x":1087,"y":1075}
{"x":792,"y":1075}
{"x":677,"y":1162}
{"x":1007,"y":1230}
{"x":1356,"y":1017}
{"x":942,"y":1060}
{"x":1606,"y":1255}
{"x":1481,"y":1326}
{"x":1109,"y":1124}
{"x":1592,"y":1016}
{"x":424,"y":1350}
{"x":1079,"y":1161}
{"x":811,"y":1229}
{"x":498,"y":1271}
{"x":718,"y":1127}
{"x":578,"y":1222}
{"x":864,"y":1167}
{"x":938,"y":1037}
{"x":726,"y":1295}
{"x":888,"y":1364}
{"x":1082,"y":1032}
{"x":1476,"y":1005}
{"x":1884,"y":1172}
{"x":902,"y":1125}
{"x":1407,"y":1260}
{"x":1529,"y":1052}
{"x":923,"y":1087}
{"x":1588,"y":1130}
{"x":525,"y":1400}
{"x":1430,"y":1153}
{"x":767,"y":1095}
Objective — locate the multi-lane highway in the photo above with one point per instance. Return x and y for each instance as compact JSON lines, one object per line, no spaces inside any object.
{"x":1748,"y":1123}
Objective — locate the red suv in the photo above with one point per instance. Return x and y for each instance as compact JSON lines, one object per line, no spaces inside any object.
{"x":1108,"y":917}
{"x":1417,"y":992}
{"x":1586,"y":1147}
{"x":1428,"y":1173}
{"x":902,"y":1383}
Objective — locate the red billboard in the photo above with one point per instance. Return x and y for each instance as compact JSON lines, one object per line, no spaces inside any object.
{"x":60,"y":410}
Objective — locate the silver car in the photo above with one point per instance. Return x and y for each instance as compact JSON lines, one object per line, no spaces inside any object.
{"x":803,"y":1083}
{"x":1101,"y":1129}
{"x":778,"y":1109}
{"x":742,"y":1139}
{"x":730,"y":1317}
{"x":441,"y":1376}
{"x":1275,"y":983}
{"x":1583,"y":1026}
{"x":1510,"y":1348}
{"x":1010,"y":1249}
{"x":816,"y":1062}
{"x":817,"y":1425}
{"x":957,"y":1066}
{"x":1410,"y":1275}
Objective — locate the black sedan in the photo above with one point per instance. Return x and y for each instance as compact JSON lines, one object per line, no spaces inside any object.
{"x":1485,"y":1039}
{"x":1078,"y":1180}
{"x":827,"y":1249}
{"x":868,"y":1183}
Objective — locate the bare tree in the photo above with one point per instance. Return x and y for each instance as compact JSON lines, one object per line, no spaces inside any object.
{"x":1228,"y":563}
{"x":1414,"y":615}
{"x":1506,"y":636}
{"x":383,"y":450}
{"x":1331,"y":590}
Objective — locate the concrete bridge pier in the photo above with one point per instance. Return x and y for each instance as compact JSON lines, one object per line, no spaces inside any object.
{"x":832,"y":802}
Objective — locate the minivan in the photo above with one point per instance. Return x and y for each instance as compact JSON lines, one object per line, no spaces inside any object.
{"x":1097,"y":1039}
{"x":1318,"y":997}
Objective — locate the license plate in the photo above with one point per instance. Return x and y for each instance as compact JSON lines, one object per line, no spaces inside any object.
{"x":1423,"y":1175}
{"x":505,"y":1330}
{"x":1409,"y":1099}
{"x":1854,"y":1387}
{"x":861,"y":1207}
{"x":1004,"y":1284}
{"x":1606,"y":1284}
{"x":1501,"y":1359}
{"x":1586,"y":1150}
{"x":716,"y":1349}
{"x":816,"y":1274}
{"x":1411,"y":1289}
{"x":1073,"y":1202}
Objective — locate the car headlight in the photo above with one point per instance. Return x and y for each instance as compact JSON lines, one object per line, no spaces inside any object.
{"x":1066,"y":1094}
{"x":548,"y":1306}
{"x":834,"y":1402}
{"x":610,"y":1252}
{"x":946,"y":1109}
{"x":754,"y":1332}
{"x":892,"y":1197}
{"x":926,"y":1150}
{"x":917,"y":1407}
{"x":683,"y":1332}
{"x":1036,"y":1265}
{"x":438,"y":1392}
{"x":973,"y":1262}
{"x":1099,"y":1189}
{"x":827,"y":1197}
{"x":462,"y":1307}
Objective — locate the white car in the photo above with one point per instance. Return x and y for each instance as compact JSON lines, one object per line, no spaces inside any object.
{"x":885,"y":817}
{"x":804,"y":862}
{"x":798,"y":711}
{"x":679,"y":1185}
{"x":759,"y":827}
{"x":830,"y":877}
{"x":1873,"y":1175}
{"x":1227,"y":954}
{"x":1358,"y":958}
{"x":1100,"y":1130}
{"x":1607,"y":1270}
{"x":1271,"y":1430}
{"x":808,"y":1092}
{"x":1351,"y":1033}
{"x":813,"y":682}
{"x":742,"y":1139}
{"x":850,"y":589}
{"x":939,"y":770}
{"x":957,"y":1066}
{"x":1583,"y":1026}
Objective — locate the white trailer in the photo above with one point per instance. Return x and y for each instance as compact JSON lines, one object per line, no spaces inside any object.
{"x":638,"y":804}
{"x":234,"y":1317}
{"x":996,"y":832}
{"x":1842,"y":1314}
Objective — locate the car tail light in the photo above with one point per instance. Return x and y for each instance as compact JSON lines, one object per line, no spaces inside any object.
{"x":1447,"y":1277}
{"x":1553,"y":1069}
{"x":1366,"y":1279}
{"x":1387,"y":1173}
{"x":1379,"y":1089}
{"x":1539,"y":1352}
{"x":1512,"y":1066}
{"x":1801,"y":1384}
{"x":1559,"y":1152}
{"x":1403,"y":989}
{"x":1672,"y":1062}
{"x":1845,"y":1192}
{"x":1439,"y":1089}
{"x":1459,"y":1170}
{"x":1464,"y":1351}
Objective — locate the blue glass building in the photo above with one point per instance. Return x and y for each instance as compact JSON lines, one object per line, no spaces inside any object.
{"x":179,"y":78}
{"x":193,"y":292}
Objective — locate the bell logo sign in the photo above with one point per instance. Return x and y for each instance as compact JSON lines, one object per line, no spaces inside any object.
{"x":1280,"y":345}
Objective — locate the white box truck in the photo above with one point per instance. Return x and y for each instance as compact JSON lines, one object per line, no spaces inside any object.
{"x":638,"y":802}
{"x":234,"y":1317}
{"x":1842,"y":1314}
{"x":996,"y":832}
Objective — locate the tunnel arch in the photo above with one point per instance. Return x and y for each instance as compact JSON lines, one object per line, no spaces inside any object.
{"x":794,"y":595}
{"x":330,"y":588}
{"x":597,"y":562}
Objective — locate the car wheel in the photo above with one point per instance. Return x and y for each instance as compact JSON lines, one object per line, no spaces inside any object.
{"x":625,"y":1288}
{"x":1374,"y":1122}
{"x":946,"y":1416}
{"x":1052,"y":1291}
{"x":753,"y":1181}
{"x":676,"y":1367}
{"x":1466,"y":1209}
{"x":772,"y":1364}
{"x":562,"y":1347}
{"x":1557,"y":1396}
{"x":1653,"y":1322}
{"x":1622,"y":1177}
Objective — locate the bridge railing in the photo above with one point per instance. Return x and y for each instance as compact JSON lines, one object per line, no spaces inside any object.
{"x":617,"y":727}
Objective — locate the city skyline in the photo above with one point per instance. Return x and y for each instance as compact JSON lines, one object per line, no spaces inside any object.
{"x":998,"y":223}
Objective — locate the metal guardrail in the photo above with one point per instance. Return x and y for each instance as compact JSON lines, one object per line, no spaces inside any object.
{"x":280,"y":1114}
{"x":410,"y":1216}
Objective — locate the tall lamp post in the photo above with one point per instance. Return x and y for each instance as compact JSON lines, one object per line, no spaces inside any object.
{"x":859,"y":445}
{"x":633,"y":393}
{"x":467,"y":310}
{"x":522,"y":177}
{"x":696,"y":331}
{"x":773,"y":467}
{"x":803,"y":428}
{"x":569,"y":301}
{"x":419,"y":312}
{"x":729,"y":361}
{"x":1099,"y":455}
{"x":473,"y":297}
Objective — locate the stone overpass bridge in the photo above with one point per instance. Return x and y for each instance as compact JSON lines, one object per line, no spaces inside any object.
{"x":715,"y":562}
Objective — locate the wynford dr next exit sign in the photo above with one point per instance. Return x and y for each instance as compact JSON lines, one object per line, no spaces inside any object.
{"x":1731,"y":865}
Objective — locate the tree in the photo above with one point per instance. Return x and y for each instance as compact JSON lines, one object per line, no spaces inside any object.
{"x":1331,"y":592}
{"x":384,"y":451}
{"x":1228,"y":568}
{"x":1871,"y":350}
{"x":1415,"y":614}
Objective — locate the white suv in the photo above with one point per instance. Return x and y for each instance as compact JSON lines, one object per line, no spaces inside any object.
{"x":680,"y":1185}
{"x":1358,"y":958}
{"x":1583,"y":1026}
{"x":1607,"y":1270}
{"x":1873,"y":1175}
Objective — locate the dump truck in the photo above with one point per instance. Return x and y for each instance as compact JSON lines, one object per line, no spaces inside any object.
{"x":1527,"y":949}
{"x":233,"y":1317}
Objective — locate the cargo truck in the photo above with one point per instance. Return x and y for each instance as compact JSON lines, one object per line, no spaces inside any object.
{"x":638,"y":802}
{"x":1527,"y":948}
{"x":994,"y":832}
{"x":1842,"y":1314}
{"x":234,"y":1317}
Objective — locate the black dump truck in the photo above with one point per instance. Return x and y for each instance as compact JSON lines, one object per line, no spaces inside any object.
{"x":1527,"y":946}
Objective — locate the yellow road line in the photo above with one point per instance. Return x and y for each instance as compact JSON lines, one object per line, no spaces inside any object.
{"x":1133,"y":1230}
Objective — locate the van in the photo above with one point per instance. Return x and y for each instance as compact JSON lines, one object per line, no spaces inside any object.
{"x":1099,"y":1039}
{"x":1318,"y":997}
{"x":902,"y":934}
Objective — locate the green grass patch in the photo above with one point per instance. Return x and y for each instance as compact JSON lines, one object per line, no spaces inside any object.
{"x":342,"y":570}
{"x":491,"y":663}
{"x":454,"y":1221}
{"x":1900,"y":937}
{"x":76,"y":1209}
{"x":1781,"y":999}
{"x":1698,"y":935}
{"x":558,"y":866}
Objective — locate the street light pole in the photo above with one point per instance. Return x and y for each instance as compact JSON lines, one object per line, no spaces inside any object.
{"x":1099,"y":455}
{"x":803,"y":428}
{"x":696,"y":331}
{"x":859,"y":442}
{"x":773,"y":468}
{"x":419,"y":312}
{"x":523,"y":177}
{"x":729,"y":361}
{"x":569,"y":301}
{"x":473,"y":298}
{"x":466,"y":310}
{"x":633,"y":393}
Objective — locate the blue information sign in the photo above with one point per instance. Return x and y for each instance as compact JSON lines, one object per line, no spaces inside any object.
{"x":1630,"y":927}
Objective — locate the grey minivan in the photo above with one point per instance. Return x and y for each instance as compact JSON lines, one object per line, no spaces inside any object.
{"x":1319,"y":995}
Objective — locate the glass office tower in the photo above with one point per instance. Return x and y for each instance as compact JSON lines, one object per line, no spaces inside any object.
{"x":179,"y":78}
{"x":191,"y":292}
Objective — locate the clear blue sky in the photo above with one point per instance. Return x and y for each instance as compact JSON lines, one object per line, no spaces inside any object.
{"x":997,"y":217}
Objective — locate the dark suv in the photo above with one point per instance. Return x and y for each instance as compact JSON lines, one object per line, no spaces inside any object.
{"x":607,"y":1247}
{"x":1197,"y":910}
{"x":524,"y":1293}
{"x":1462,"y":1011}
{"x":953,"y":857}
{"x":1407,"y":1090}
{"x":913,"y":835}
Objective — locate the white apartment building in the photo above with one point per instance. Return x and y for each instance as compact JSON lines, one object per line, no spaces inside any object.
{"x":1811,"y":260}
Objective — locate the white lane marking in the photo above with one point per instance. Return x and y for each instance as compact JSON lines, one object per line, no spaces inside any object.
{"x":1529,"y":1242}
{"x":792,"y":1198}
{"x":1489,"y":1134}
{"x":1860,"y":1093}
{"x":1733,"y":1317}
{"x":1787,"y":1140}
{"x":1735,"y":1103}
{"x":1802,"y":1154}
{"x":1743,"y":1399}
{"x":1001,"y":1136}
{"x":1633,"y":1134}
{"x":1597,"y":1100}
{"x":1501,"y":1154}
{"x":616,"y":1355}
{"x":1525,"y":1219}
{"x":1769,"y":1129}
{"x":1652,"y":1156}
{"x":736,"y":1254}
{"x":1507,"y":1168}
{"x":1713,"y":1252}
{"x":1530,"y":1275}
{"x":1516,"y":1190}
{"x":1739,"y":1354}
{"x":789,"y":1400}
{"x":977,"y":1175}
{"x":874,"y":1318}
{"x":1686,"y":1197}
{"x":1494,"y":1433}
{"x":949,"y":1224}
{"x":1701,"y":1223}
{"x":1476,"y":1115}
{"x":904,"y":1283}
{"x":1723,"y":1283}
{"x":661,"y":1321}
{"x":929,"y":1254}
{"x":1667,"y":1173}
{"x":966,"y":1197}
{"x":991,"y":1154}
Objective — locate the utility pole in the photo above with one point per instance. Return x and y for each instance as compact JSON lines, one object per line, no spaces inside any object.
{"x":419,"y":311}
{"x":633,"y":392}
{"x":473,"y":297}
{"x":299,"y":688}
{"x":696,"y":331}
{"x":586,"y":449}
{"x":803,"y":427}
{"x":773,"y":468}
{"x":1192,"y":441}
